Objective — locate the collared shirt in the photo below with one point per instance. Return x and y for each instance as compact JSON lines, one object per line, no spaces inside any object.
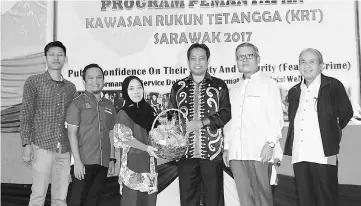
{"x":307,"y":145}
{"x":257,"y":117}
{"x":207,"y":99}
{"x":42,"y":113}
{"x":94,"y":120}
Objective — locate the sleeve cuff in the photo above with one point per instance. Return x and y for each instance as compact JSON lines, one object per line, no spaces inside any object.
{"x":273,"y":138}
{"x":66,"y":125}
{"x":25,"y":141}
{"x":278,"y":153}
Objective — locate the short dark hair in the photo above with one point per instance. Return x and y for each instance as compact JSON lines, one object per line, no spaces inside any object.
{"x":91,"y":66}
{"x":54,"y":44}
{"x":197,"y":45}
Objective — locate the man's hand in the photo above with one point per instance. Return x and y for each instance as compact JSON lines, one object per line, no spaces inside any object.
{"x":226,"y":158}
{"x":277,"y":162}
{"x":79,"y":169}
{"x":151,"y":151}
{"x":266,"y":153}
{"x":194,"y":125}
{"x":111,"y":168}
{"x":27,"y":153}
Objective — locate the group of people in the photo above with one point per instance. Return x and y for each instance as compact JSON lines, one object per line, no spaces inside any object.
{"x":158,"y":101}
{"x":240,"y":128}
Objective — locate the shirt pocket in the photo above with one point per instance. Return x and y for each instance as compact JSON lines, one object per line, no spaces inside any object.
{"x":253,"y":101}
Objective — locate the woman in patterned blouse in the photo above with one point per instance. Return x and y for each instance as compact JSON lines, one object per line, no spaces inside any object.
{"x":137,"y":176}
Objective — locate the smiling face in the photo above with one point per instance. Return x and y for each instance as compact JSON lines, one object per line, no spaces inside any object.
{"x":55,"y":58}
{"x":198,"y":62}
{"x":310,"y":65}
{"x":135,"y":91}
{"x":247,"y":60}
{"x":94,"y":81}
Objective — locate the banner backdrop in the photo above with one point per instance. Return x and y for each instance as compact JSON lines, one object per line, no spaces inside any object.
{"x":150,"y":39}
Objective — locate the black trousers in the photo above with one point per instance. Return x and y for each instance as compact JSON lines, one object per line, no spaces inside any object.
{"x":193,"y":172}
{"x":316,"y":184}
{"x":87,"y":192}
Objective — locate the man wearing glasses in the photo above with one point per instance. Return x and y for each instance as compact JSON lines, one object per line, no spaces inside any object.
{"x":254,"y":130}
{"x":318,"y":110}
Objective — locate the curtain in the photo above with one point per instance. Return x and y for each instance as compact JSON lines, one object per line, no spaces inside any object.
{"x":23,"y":37}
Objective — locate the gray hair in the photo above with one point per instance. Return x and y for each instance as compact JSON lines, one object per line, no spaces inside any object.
{"x":247,"y":44}
{"x":318,"y":53}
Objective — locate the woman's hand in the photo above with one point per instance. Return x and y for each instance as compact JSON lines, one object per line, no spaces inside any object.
{"x":151,"y":151}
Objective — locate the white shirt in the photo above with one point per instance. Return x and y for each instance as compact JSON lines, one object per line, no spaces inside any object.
{"x":257,"y":118}
{"x":307,"y":144}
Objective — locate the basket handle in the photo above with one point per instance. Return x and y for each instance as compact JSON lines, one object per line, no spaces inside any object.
{"x":167,"y":110}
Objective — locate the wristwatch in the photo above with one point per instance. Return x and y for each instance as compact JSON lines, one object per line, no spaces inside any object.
{"x":113,"y":159}
{"x":271,"y":144}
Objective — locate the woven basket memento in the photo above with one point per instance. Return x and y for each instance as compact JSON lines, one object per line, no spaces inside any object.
{"x":170,"y":137}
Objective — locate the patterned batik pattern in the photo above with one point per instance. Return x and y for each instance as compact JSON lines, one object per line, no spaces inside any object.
{"x":143,"y":182}
{"x":198,"y":101}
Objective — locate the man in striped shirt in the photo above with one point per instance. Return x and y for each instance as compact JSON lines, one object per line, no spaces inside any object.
{"x":44,"y":138}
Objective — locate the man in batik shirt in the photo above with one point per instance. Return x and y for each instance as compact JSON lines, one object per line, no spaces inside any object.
{"x":205,"y":101}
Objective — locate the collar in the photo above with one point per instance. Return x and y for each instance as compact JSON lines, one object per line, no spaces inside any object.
{"x":254,"y":75}
{"x":316,"y":83}
{"x":324,"y":81}
{"x":48,"y":77}
{"x":206,"y":76}
{"x":91,"y":96}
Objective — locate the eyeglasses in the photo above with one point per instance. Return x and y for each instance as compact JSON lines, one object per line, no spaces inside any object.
{"x":245,"y":56}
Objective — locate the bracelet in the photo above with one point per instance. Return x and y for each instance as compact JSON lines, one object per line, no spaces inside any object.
{"x":113,"y":159}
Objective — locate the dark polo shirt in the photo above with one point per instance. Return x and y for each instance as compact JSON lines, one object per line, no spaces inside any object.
{"x":94,"y":121}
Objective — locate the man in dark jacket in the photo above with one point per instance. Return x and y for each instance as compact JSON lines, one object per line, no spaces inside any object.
{"x":319,"y":109}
